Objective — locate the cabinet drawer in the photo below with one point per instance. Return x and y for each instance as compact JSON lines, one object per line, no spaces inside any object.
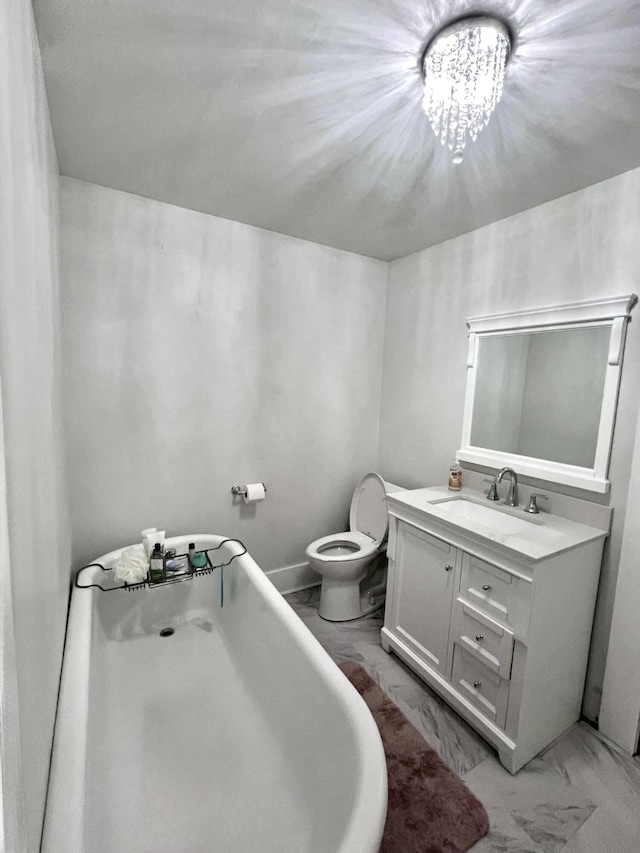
{"x":488,"y":587}
{"x":480,"y":686}
{"x":483,"y":637}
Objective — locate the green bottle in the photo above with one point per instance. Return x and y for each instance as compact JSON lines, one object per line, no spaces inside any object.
{"x":157,"y":569}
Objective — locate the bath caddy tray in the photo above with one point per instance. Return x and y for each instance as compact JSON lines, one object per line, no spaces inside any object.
{"x":214,"y":563}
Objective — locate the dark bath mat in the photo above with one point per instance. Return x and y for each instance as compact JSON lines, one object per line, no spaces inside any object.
{"x":430,"y":809}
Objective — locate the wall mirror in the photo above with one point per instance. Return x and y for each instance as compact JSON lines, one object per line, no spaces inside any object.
{"x":542,"y":389}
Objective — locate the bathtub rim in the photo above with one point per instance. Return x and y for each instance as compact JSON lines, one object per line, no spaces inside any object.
{"x":365,"y":825}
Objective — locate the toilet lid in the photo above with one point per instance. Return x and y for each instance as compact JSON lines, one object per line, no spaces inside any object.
{"x":369,"y":507}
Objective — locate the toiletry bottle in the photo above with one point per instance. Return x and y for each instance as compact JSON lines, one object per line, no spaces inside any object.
{"x":157,"y":571}
{"x":455,"y":477}
{"x":197,"y":560}
{"x":148,"y":540}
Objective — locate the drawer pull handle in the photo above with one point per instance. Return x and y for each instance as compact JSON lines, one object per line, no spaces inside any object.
{"x":477,"y":684}
{"x":448,"y":568}
{"x":479,"y":637}
{"x":486,"y":586}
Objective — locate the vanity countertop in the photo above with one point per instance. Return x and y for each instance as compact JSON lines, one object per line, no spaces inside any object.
{"x":532,"y":536}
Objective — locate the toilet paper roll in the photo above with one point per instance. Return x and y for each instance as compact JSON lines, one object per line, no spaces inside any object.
{"x":255,"y":492}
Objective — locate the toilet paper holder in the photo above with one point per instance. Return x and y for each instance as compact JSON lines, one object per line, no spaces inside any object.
{"x":242,"y":490}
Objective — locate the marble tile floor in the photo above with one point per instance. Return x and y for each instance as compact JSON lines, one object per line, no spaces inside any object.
{"x":582,"y":795}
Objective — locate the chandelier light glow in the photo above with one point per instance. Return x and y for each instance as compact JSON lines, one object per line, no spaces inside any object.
{"x":464,"y":68}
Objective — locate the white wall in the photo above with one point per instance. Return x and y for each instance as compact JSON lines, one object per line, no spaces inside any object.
{"x":38,"y":533}
{"x":582,"y":246}
{"x":620,"y":711}
{"x":200,"y":353}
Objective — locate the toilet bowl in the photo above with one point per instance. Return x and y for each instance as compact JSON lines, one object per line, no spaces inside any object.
{"x":344,"y":560}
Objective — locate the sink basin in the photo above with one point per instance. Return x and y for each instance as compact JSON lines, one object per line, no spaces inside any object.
{"x":480,"y":522}
{"x":494,"y":518}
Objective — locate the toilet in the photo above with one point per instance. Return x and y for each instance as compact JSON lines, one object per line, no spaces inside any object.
{"x":345,"y":559}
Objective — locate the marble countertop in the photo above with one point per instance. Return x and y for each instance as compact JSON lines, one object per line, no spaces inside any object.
{"x":536,"y":538}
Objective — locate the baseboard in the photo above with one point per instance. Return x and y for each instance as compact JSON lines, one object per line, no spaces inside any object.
{"x":293,"y":578}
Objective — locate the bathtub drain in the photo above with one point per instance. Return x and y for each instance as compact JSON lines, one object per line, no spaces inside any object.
{"x":166,"y":632}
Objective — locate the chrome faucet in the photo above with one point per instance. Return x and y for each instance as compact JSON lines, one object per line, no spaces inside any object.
{"x":492,"y":494}
{"x":532,"y":506}
{"x":512,"y":497}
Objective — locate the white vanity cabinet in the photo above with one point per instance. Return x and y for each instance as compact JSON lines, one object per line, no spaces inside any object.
{"x":499,"y":626}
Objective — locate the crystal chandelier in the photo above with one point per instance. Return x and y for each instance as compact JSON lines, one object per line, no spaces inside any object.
{"x":464,"y":67}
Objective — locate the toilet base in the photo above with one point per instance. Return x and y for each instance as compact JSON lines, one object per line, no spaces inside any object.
{"x":339,"y":600}
{"x":364,"y":611}
{"x":342,"y":602}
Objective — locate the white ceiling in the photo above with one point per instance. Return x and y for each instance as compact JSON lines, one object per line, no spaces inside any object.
{"x":304,"y":116}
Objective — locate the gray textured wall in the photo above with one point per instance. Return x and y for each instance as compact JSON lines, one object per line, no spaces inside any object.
{"x":201,"y":352}
{"x":38,"y":532}
{"x":582,"y":246}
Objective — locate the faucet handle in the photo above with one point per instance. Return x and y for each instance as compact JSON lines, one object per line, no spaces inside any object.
{"x":492,"y":494}
{"x":532,"y":506}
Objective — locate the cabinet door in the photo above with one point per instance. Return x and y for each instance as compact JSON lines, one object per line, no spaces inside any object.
{"x":424,"y":579}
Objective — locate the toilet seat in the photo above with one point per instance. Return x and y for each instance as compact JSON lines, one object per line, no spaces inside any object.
{"x":364,"y":547}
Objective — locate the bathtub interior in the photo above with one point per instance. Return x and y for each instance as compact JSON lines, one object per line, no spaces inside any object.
{"x":235,"y":730}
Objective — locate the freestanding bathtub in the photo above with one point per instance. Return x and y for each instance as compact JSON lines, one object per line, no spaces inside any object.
{"x":235,"y":734}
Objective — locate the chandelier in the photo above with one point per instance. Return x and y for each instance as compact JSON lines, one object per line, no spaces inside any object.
{"x":464,"y":67}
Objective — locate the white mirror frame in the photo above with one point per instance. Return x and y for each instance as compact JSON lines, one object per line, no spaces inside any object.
{"x":613,"y":312}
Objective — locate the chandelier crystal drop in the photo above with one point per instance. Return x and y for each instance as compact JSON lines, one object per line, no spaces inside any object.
{"x":464,"y":68}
